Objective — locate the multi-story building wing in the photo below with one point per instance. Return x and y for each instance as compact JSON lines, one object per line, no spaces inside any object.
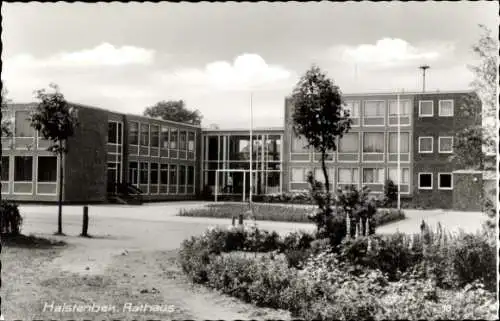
{"x":167,"y":160}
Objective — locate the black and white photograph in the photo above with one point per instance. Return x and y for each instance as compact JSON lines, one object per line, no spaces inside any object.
{"x":249,"y":160}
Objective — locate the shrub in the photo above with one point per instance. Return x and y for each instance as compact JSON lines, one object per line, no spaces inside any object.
{"x":390,"y":193}
{"x":10,"y":218}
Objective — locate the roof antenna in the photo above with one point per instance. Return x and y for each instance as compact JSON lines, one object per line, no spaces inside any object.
{"x":424,"y":68}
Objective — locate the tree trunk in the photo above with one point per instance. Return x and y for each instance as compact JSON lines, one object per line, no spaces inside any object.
{"x":59,"y":216}
{"x":327,"y":182}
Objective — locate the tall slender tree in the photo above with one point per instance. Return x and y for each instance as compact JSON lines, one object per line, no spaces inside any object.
{"x":55,"y":119}
{"x":319,"y":116}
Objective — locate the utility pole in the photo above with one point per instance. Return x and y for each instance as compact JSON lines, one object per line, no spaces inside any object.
{"x":424,"y":68}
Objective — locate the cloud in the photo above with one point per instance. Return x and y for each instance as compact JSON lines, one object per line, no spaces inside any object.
{"x":104,"y":54}
{"x":389,"y":52}
{"x":247,"y":72}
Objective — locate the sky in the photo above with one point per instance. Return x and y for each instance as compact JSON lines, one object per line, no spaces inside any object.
{"x":218,"y":57}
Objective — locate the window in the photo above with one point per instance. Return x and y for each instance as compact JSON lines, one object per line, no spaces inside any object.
{"x":155,"y":136}
{"x":23,"y":169}
{"x":154,"y":174}
{"x":5,"y":169}
{"x":349,"y":143}
{"x":348,"y":176}
{"x":425,"y":180}
{"x":190,"y":175}
{"x":445,"y":144}
{"x":404,"y":146}
{"x":143,"y":177}
{"x":164,"y":137}
{"x":173,"y":175}
{"x":112,"y":132}
{"x":374,"y":113}
{"x":299,"y":175}
{"x":183,"y":140}
{"x":373,"y":143}
{"x":353,"y":108}
{"x":23,"y":124}
{"x":133,"y":173}
{"x":163,"y":174}
{"x":426,"y":108}
{"x":47,"y":169}
{"x":445,"y":181}
{"x":133,"y":135}
{"x":174,"y":133}
{"x":145,"y":134}
{"x":191,"y":141}
{"x":405,"y":112}
{"x":299,"y":144}
{"x":405,"y":175}
{"x":320,"y":177}
{"x":425,"y":144}
{"x":446,"y":108}
{"x":404,"y":107}
{"x":373,"y":175}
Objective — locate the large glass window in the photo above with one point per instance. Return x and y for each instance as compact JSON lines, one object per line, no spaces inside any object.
{"x":5,"y":168}
{"x":143,"y":179}
{"x":23,"y":124}
{"x":190,"y":175}
{"x":373,"y":143}
{"x":133,"y":136}
{"x":349,"y":143}
{"x":299,"y":174}
{"x":191,"y":141}
{"x":164,"y":137}
{"x":145,"y":134}
{"x":47,"y":169}
{"x":404,"y":143}
{"x":112,"y":132}
{"x":373,"y":175}
{"x":299,"y":144}
{"x":163,"y":174}
{"x":155,"y":136}
{"x":154,"y":174}
{"x":183,"y":140}
{"x":133,"y":172}
{"x":174,"y":136}
{"x":405,"y":175}
{"x":320,"y":176}
{"x":182,"y":175}
{"x":374,"y":113}
{"x":404,"y":107}
{"x":348,"y":176}
{"x":353,"y":107}
{"x":173,"y":175}
{"x":23,"y":169}
{"x":273,"y":146}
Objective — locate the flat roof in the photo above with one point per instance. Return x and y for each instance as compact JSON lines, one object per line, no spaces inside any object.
{"x":256,"y":129}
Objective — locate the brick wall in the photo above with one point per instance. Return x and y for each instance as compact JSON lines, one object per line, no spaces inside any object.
{"x":467,"y":191}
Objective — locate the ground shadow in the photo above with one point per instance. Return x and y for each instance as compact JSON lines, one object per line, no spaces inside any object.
{"x":30,"y":241}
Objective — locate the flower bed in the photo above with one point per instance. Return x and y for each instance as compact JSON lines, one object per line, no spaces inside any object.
{"x":281,"y":213}
{"x":372,"y":277}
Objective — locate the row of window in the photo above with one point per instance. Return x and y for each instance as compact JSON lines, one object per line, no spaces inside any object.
{"x":23,"y":169}
{"x":149,"y":173}
{"x":445,"y":181}
{"x":351,"y":175}
{"x":157,"y":136}
{"x":372,"y":143}
{"x":426,"y":144}
{"x":426,"y":108}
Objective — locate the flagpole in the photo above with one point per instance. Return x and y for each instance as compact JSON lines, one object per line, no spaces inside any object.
{"x":399,"y":155}
{"x":251,"y":146}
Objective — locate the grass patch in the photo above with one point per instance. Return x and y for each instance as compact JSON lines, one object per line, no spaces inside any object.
{"x":30,"y":241}
{"x":278,"y":213}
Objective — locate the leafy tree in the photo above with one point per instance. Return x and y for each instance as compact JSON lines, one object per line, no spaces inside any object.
{"x":5,"y":122}
{"x":471,"y":143}
{"x":56,"y":121}
{"x":390,"y":192}
{"x":174,"y":110}
{"x":320,"y":117}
